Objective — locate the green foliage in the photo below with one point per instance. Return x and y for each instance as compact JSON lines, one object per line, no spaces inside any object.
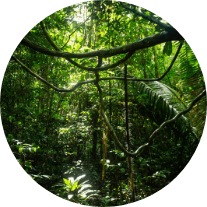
{"x":167,"y":48}
{"x":77,"y":191}
{"x":51,"y":132}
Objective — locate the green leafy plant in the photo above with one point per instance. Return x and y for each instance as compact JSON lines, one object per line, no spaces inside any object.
{"x":77,"y":191}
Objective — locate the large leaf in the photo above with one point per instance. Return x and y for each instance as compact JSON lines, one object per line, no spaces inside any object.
{"x":193,"y":84}
{"x":165,"y":101}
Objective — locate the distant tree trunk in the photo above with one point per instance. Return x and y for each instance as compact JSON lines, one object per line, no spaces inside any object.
{"x":90,"y":30}
{"x":156,"y":62}
{"x":143,"y":64}
{"x":95,"y":116}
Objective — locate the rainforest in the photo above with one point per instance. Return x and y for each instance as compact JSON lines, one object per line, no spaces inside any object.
{"x":103,"y":103}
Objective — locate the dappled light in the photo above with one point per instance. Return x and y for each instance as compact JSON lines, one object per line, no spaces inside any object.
{"x":103,"y":103}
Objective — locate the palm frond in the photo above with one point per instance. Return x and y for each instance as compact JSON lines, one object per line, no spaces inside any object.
{"x":193,"y":84}
{"x":168,"y":102}
{"x":165,"y":101}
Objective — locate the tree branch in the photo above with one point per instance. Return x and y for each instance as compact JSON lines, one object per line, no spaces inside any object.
{"x":95,"y":69}
{"x":143,"y":147}
{"x":48,"y":37}
{"x":98,"y":67}
{"x":166,"y":27}
{"x":141,"y":44}
{"x":192,"y":104}
{"x":49,"y":84}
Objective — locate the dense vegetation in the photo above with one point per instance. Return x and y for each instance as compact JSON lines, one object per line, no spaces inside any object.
{"x":103,"y":103}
